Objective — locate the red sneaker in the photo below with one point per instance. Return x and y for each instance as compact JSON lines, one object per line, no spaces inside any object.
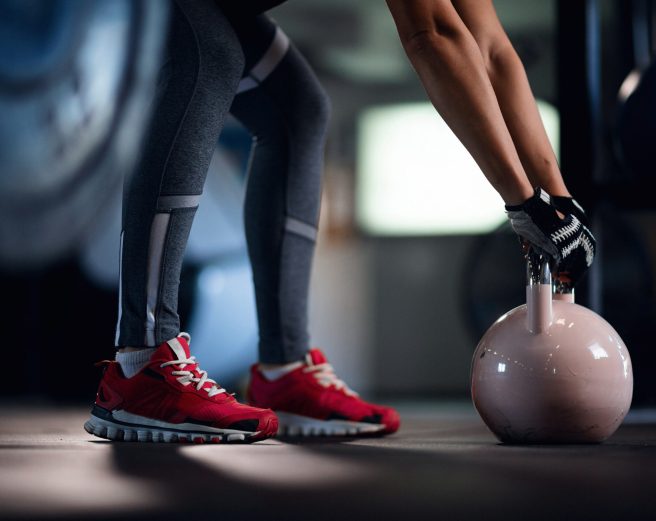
{"x":312,"y":401}
{"x":171,"y":399}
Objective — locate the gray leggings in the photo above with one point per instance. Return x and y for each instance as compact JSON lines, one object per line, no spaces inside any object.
{"x":247,"y":66}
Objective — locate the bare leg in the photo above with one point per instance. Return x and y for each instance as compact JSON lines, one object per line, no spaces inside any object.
{"x":451,"y":67}
{"x":514,"y":95}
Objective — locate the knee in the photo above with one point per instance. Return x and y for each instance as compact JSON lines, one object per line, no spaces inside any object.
{"x":315,"y":103}
{"x":309,"y":107}
{"x":289,"y":110}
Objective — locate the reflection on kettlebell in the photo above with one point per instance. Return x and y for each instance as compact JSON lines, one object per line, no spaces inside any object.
{"x":551,"y":371}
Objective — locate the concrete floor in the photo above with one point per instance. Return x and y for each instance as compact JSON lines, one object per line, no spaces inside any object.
{"x":443,"y":464}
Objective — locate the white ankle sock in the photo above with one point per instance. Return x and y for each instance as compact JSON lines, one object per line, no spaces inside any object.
{"x":273,"y":373}
{"x":134,"y":361}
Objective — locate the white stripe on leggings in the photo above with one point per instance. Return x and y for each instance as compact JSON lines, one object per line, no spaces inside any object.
{"x":300,"y":228}
{"x":169,"y":202}
{"x":158,"y":232}
{"x":269,"y":61}
{"x":120,"y":291}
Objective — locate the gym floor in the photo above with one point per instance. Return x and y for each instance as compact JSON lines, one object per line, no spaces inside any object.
{"x":443,"y":464}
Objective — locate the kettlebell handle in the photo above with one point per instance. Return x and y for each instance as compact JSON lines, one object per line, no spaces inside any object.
{"x":539,"y":291}
{"x":538,"y":271}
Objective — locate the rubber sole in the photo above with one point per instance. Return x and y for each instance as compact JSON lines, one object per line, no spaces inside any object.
{"x":294,"y":425}
{"x":162,"y":433}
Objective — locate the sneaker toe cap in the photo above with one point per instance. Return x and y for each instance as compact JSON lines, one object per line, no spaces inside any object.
{"x":390,"y":418}
{"x":264,"y":422}
{"x":268,"y":426}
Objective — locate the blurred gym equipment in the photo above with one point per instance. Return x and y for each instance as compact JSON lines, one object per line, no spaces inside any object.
{"x":635,"y":129}
{"x":76,"y":80}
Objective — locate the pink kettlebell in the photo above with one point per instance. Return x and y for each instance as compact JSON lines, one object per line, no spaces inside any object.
{"x":551,"y":371}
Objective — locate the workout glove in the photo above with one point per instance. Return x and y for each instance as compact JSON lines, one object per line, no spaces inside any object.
{"x":570,"y":272}
{"x":566,"y":241}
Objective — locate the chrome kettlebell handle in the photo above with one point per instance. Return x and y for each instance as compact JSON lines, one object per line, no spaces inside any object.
{"x":538,"y":271}
{"x":539,"y":293}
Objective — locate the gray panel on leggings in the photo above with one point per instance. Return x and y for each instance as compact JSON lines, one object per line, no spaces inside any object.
{"x":167,"y":321}
{"x":156,"y":244}
{"x":295,"y":270}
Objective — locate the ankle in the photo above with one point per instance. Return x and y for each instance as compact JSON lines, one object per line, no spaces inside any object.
{"x":274,"y":371}
{"x":134,"y":360}
{"x":131,"y":349}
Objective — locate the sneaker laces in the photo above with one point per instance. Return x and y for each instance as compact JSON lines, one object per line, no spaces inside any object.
{"x":326,"y":377}
{"x":195,"y":375}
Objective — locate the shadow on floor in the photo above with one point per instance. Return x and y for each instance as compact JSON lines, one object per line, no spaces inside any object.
{"x":377,"y":479}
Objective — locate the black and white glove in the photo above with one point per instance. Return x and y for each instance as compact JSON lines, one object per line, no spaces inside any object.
{"x":570,"y":272}
{"x":536,"y":221}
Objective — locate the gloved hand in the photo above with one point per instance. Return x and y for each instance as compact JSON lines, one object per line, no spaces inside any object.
{"x":565,"y":241}
{"x":571,"y":272}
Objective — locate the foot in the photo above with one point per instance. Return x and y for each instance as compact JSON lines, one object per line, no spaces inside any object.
{"x":172,"y":400}
{"x":312,"y":401}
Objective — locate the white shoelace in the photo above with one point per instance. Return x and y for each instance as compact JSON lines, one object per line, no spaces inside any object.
{"x":325,"y":375}
{"x":188,"y":377}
